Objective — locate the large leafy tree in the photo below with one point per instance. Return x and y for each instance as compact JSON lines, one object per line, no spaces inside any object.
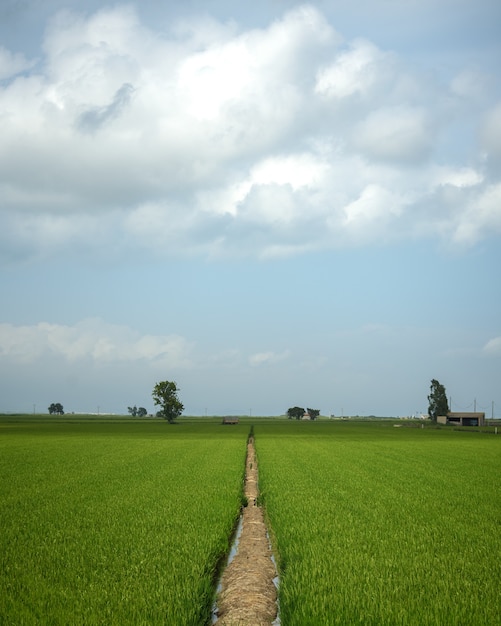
{"x":56,"y":408}
{"x":437,"y":399}
{"x":295,"y":412}
{"x":165,"y":395}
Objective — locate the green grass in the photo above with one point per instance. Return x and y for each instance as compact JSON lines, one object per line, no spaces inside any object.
{"x":115,"y":523}
{"x":123,"y":521}
{"x":378,"y":525}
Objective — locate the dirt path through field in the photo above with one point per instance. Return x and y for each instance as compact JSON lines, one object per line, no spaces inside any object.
{"x":248,"y":595}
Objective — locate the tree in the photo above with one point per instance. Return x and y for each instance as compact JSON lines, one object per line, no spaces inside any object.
{"x":165,"y":395}
{"x":296,"y":412}
{"x":137,"y":412}
{"x":438,"y":401}
{"x":313,"y":413}
{"x":56,"y":408}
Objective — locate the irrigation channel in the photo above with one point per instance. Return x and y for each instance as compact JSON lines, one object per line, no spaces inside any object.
{"x":247,"y":592}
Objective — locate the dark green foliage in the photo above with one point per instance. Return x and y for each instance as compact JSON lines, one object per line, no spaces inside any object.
{"x":165,"y":395}
{"x":313,"y":413}
{"x":437,"y":399}
{"x":137,"y":412}
{"x":56,"y":408}
{"x":295,"y":412}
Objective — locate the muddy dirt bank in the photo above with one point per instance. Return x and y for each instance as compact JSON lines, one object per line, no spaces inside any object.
{"x":248,"y":595}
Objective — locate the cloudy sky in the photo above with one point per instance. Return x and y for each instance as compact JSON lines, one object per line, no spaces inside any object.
{"x":271,"y":203}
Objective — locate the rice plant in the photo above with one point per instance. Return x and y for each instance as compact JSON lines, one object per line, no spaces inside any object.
{"x":375,"y":525}
{"x":115,"y":523}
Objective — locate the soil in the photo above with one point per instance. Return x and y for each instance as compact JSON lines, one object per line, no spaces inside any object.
{"x":248,"y":594}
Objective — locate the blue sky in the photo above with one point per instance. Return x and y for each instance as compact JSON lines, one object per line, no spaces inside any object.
{"x":271,"y":204}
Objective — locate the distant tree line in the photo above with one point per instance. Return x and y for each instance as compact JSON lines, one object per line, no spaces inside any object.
{"x":165,"y":395}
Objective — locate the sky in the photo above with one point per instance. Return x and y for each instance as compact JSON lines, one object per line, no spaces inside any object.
{"x":270,"y":203}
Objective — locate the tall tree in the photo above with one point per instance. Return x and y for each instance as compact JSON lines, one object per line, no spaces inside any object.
{"x":165,"y":395}
{"x":437,"y":399}
{"x":132,"y":410}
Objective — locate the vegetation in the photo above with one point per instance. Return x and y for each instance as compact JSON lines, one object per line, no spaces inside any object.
{"x":137,"y":412}
{"x":295,"y":412}
{"x":379,"y":525}
{"x":56,"y":408}
{"x":121,"y":521}
{"x":437,"y":399}
{"x":165,"y":396}
{"x":114,"y":523}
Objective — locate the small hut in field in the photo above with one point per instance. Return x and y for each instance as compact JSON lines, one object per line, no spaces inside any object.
{"x":230,"y":419}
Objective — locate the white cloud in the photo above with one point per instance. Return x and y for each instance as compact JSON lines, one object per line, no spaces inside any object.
{"x":374,"y":202}
{"x":356,"y":72}
{"x":481,"y":217}
{"x":94,"y":341}
{"x":266,"y":194}
{"x":400,"y":134}
{"x":91,"y":339}
{"x":457,"y":177}
{"x":214,"y":140}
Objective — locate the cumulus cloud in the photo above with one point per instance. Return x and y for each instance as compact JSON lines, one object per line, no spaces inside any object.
{"x":357,"y":72}
{"x":458,"y":177}
{"x":93,"y":343}
{"x":91,"y":339}
{"x":400,"y":134}
{"x":481,"y":217}
{"x":213,"y":140}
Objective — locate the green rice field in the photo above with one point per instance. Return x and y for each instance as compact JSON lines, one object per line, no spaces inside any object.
{"x":380,"y":525}
{"x":124,"y":521}
{"x":115,"y":523}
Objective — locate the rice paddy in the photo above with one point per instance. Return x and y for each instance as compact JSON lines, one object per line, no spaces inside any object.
{"x":125,"y":522}
{"x":376,"y":525}
{"x":114,"y":523}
